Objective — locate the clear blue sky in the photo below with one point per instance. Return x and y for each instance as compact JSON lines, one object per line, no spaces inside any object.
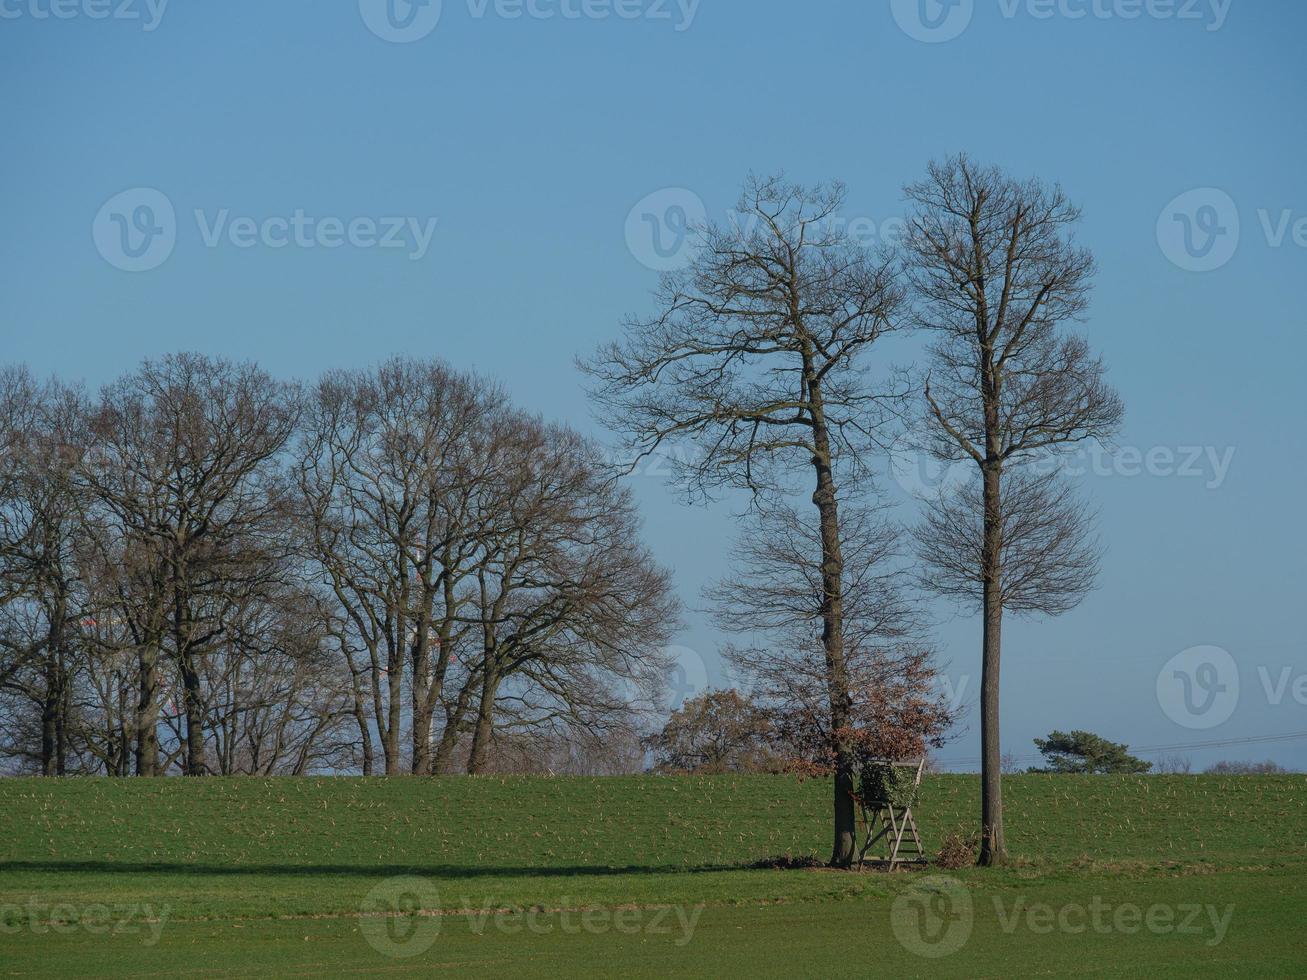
{"x":530,"y":139}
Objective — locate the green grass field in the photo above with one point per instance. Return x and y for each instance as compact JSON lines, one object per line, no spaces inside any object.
{"x":1119,"y":876}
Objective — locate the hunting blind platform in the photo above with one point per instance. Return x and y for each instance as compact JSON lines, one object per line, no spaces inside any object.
{"x":887,"y":813}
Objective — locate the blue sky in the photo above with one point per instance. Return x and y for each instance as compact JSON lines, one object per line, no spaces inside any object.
{"x":529,"y":140}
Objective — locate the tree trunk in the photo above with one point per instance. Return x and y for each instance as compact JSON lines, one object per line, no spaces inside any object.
{"x":147,"y":714}
{"x":476,"y":760}
{"x":421,"y":739}
{"x":832,"y":637}
{"x":54,"y":705}
{"x":993,"y":849}
{"x":50,"y":704}
{"x":420,"y":697}
{"x":365,"y":736}
{"x":195,"y":764}
{"x":453,"y":730}
{"x":63,"y":718}
{"x":394,"y":716}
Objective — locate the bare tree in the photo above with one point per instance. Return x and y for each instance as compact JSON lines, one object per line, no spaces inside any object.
{"x":478,"y":561}
{"x":179,"y":591}
{"x":42,"y":595}
{"x":571,"y":609}
{"x":182,"y":468}
{"x":391,"y":466}
{"x":996,"y":274}
{"x":279,"y":700}
{"x":756,"y":356}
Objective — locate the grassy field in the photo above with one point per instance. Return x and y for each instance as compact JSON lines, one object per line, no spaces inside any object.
{"x":640,"y":876}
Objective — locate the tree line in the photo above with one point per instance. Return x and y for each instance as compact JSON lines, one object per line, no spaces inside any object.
{"x":205,"y":570}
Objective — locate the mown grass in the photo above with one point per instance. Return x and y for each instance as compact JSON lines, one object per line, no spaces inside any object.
{"x":222,"y":857}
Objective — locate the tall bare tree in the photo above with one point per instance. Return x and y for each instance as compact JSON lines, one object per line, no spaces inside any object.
{"x":756,"y":355}
{"x":996,"y":275}
{"x":570,"y":607}
{"x":42,"y":594}
{"x":183,"y":467}
{"x":392,"y":462}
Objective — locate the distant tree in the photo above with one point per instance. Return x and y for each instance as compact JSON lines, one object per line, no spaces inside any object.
{"x":995,"y":275}
{"x":756,"y":356}
{"x":1085,"y":752}
{"x":1173,"y":765}
{"x":1226,"y":768}
{"x":716,"y":732}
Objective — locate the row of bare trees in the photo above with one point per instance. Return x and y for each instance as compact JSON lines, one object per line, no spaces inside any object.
{"x":762,"y":355}
{"x":206,"y":570}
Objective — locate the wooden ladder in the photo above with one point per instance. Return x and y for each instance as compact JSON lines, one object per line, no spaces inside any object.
{"x":895,"y":826}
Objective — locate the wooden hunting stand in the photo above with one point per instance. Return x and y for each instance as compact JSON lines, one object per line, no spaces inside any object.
{"x":895,"y":825}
